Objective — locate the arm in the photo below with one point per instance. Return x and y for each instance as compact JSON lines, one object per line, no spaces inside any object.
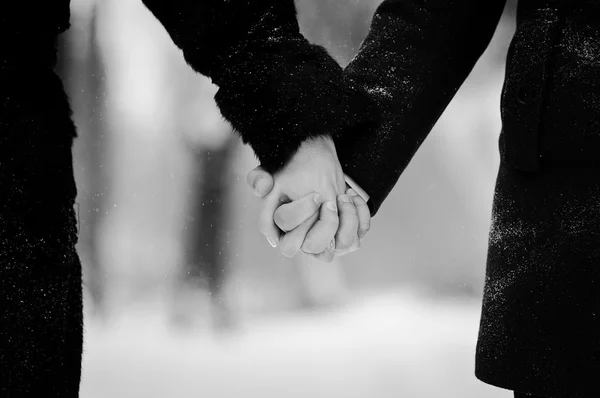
{"x":275,"y":88}
{"x":415,"y":57}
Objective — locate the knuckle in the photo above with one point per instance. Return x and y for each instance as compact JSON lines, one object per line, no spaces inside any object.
{"x":289,"y":254}
{"x":342,"y":244}
{"x":280,"y":221}
{"x":250,"y":177}
{"x":307,"y":248}
{"x":349,"y":207}
{"x":288,"y":250}
{"x":310,"y":247}
{"x":334,"y":223}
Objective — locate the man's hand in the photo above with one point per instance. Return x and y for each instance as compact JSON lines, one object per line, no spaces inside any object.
{"x":297,"y":217}
{"x":313,"y":169}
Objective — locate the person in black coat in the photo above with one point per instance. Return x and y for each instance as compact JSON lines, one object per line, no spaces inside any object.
{"x":284,"y":96}
{"x":540,"y":323}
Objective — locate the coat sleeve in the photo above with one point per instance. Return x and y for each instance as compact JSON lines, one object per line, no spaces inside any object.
{"x":275,"y":88}
{"x":415,"y":57}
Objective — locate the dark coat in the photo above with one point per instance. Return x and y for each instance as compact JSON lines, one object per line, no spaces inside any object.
{"x":41,"y":331}
{"x":540,"y":324}
{"x":275,"y":88}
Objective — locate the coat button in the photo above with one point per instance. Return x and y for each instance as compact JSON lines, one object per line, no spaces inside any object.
{"x":525,"y":94}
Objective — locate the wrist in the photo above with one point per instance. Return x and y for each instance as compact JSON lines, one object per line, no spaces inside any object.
{"x":314,"y":167}
{"x":322,"y":146}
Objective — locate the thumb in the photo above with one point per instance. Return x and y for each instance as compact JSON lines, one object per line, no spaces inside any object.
{"x":260,"y":182}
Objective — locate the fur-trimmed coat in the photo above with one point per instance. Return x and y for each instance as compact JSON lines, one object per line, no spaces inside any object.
{"x":275,"y":88}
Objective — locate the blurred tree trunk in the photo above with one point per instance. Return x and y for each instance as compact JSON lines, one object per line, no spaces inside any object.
{"x":80,"y":68}
{"x":208,"y":246}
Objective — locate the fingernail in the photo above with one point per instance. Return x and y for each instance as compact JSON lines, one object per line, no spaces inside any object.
{"x":272,"y":242}
{"x":318,"y":199}
{"x":345,"y":198}
{"x":331,"y":206}
{"x":352,"y":192}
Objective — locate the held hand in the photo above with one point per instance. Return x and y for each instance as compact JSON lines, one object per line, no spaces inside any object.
{"x":299,"y":215}
{"x":313,"y":169}
{"x":354,"y":223}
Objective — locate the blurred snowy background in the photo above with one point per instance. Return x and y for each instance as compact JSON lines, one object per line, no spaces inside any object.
{"x":185,"y":298}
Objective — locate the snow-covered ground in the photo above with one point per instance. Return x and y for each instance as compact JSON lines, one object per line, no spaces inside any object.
{"x":394,"y":345}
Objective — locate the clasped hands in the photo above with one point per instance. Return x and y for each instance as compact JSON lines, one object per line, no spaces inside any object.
{"x":307,"y":205}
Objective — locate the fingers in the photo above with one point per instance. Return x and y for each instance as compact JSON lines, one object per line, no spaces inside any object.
{"x":266,"y":225}
{"x":364,"y":214}
{"x":346,"y":238}
{"x":260,"y":182}
{"x":320,"y":235}
{"x":291,"y":242}
{"x":291,"y":215}
{"x":325,"y":233}
{"x":328,"y":255}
